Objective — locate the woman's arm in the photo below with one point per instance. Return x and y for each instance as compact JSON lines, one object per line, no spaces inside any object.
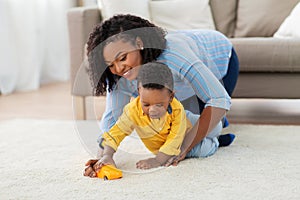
{"x":114,"y":105}
{"x":199,"y":60}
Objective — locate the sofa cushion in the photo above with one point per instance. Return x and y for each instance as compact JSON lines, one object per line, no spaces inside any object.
{"x":261,"y":18}
{"x":112,"y":7}
{"x":290,"y":27}
{"x":224,"y":15}
{"x":267,"y":54}
{"x":181,"y":14}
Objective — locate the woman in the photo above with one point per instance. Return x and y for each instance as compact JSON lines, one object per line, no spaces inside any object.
{"x":203,"y":63}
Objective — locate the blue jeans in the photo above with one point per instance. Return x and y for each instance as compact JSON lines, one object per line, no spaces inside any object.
{"x":209,"y":145}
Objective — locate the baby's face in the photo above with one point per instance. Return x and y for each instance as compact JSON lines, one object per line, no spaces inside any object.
{"x":155,"y":102}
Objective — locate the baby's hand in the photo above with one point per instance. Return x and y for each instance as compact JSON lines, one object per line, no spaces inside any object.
{"x":105,"y":160}
{"x":148,"y":163}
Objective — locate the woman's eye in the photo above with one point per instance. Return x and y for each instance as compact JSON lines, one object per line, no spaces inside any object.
{"x":123,"y":58}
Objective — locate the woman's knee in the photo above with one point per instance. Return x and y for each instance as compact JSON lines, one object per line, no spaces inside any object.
{"x":209,"y":147}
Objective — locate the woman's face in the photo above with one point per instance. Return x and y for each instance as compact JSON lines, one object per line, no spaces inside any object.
{"x":155,"y":102}
{"x":123,"y":58}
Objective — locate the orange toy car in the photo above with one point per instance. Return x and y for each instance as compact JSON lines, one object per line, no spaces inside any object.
{"x":109,"y":172}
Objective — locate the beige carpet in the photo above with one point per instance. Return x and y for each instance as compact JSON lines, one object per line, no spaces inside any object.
{"x":44,"y":159}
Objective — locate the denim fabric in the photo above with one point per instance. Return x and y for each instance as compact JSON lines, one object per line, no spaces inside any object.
{"x":209,"y":145}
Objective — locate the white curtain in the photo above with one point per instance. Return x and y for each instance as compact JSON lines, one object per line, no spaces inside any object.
{"x":33,"y":43}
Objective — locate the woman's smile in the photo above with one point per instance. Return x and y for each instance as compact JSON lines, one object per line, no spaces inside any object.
{"x":123,"y":58}
{"x":127,"y":73}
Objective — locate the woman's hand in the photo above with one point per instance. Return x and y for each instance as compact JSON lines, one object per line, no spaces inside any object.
{"x":176,"y":159}
{"x":89,"y":170}
{"x":94,"y":165}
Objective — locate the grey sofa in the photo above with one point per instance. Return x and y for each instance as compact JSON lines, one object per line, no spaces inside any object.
{"x":269,"y":67}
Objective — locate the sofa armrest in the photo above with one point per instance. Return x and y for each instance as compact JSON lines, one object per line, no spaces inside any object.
{"x":81,"y":21}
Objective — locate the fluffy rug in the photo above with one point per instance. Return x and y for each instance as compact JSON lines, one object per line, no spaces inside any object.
{"x":44,"y":159}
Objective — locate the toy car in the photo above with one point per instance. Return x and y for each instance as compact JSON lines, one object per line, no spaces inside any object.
{"x":109,"y":172}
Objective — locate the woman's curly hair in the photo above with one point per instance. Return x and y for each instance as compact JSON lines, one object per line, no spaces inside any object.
{"x":120,"y":27}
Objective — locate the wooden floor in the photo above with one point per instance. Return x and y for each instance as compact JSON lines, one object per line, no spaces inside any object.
{"x":54,"y":101}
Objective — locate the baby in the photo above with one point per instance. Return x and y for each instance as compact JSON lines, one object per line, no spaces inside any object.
{"x":156,"y":116}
